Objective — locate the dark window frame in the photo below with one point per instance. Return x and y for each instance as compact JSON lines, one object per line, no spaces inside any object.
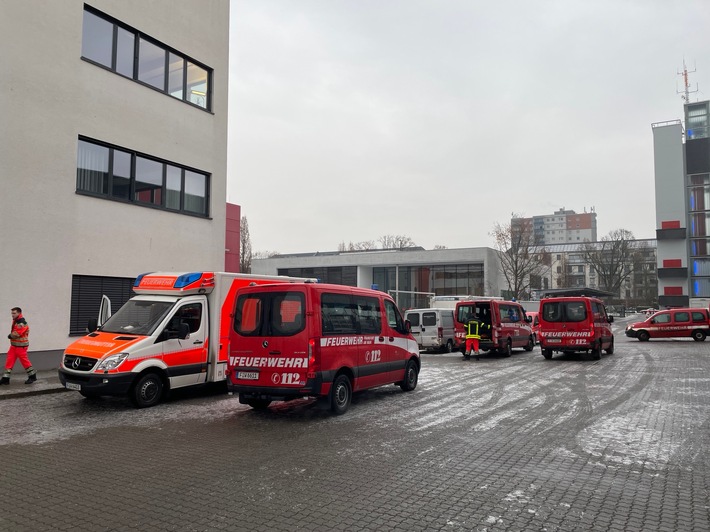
{"x":132,"y":192}
{"x":137,"y":35}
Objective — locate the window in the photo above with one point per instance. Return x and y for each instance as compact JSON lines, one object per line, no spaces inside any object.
{"x":270,"y":314}
{"x":682,"y":317}
{"x":394,"y":319}
{"x":338,"y":314}
{"x":115,"y":46}
{"x":86,"y":292}
{"x":661,"y":318}
{"x":699,"y":317}
{"x":114,"y":173}
{"x":429,"y":319}
{"x":368,"y":309}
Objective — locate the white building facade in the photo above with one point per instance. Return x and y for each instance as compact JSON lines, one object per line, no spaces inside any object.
{"x":113,"y":152}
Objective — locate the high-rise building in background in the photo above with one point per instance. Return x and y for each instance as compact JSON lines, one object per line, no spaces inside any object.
{"x":561,"y":227}
{"x":682,"y":184}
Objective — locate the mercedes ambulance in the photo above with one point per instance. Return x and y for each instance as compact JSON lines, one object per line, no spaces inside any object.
{"x":173,"y":334}
{"x":299,"y":340}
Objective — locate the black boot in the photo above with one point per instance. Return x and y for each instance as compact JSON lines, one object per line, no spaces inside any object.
{"x":31,"y":378}
{"x":5,"y":380}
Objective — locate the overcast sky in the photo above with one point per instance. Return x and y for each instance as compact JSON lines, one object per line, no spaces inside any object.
{"x":354,"y":119}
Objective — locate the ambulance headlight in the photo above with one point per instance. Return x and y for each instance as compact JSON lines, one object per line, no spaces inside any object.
{"x":112,"y":362}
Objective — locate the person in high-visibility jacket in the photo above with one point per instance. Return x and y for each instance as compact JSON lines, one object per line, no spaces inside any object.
{"x":474,"y":328}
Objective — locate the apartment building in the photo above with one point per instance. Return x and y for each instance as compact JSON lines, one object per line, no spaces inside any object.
{"x":563,"y":226}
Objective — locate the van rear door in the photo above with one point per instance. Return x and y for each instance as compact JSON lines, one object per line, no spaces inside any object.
{"x":430,"y":329}
{"x":271,"y":348}
{"x":415,"y":320}
{"x":572,"y":323}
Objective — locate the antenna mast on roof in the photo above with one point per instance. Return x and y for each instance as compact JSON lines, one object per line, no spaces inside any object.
{"x":686,"y":92}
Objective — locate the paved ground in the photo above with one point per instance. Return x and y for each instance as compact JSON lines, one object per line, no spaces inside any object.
{"x":516,"y":443}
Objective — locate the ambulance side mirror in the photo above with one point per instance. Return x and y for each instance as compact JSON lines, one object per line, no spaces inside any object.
{"x":408,"y":325}
{"x":92,"y":325}
{"x":184,"y":331}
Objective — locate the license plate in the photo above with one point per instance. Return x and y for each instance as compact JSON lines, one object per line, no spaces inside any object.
{"x":73,"y":386}
{"x":554,"y":340}
{"x":248,"y":375}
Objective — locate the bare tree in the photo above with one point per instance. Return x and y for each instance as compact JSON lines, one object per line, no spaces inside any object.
{"x":396,"y":242}
{"x":520,"y":259}
{"x":264,"y":254}
{"x":245,"y":254}
{"x":365,"y":245}
{"x":612,"y":258}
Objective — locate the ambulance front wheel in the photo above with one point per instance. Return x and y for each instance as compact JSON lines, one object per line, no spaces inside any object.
{"x":147,"y":391}
{"x":340,"y":395}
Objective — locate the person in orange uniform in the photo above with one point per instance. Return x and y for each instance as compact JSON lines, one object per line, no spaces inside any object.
{"x":474,"y":327}
{"x":19,"y":343}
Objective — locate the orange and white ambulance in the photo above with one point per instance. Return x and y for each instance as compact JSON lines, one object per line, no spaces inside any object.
{"x":174,"y":333}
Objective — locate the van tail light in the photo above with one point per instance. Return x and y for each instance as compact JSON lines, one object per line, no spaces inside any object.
{"x":440,"y":332}
{"x":313,"y":358}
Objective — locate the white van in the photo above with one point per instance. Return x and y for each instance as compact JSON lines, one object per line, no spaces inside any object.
{"x":433,"y":328}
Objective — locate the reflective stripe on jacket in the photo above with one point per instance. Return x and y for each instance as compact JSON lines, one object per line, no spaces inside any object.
{"x":473,"y":327}
{"x":20,"y":333}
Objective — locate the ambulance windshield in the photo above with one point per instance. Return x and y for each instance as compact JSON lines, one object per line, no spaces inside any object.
{"x":137,"y":316}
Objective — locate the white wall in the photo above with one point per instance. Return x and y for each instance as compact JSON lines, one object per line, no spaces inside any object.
{"x":50,"y":97}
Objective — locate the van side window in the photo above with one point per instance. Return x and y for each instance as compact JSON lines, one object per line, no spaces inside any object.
{"x":662,"y":318}
{"x":699,"y":317}
{"x":368,"y":310}
{"x":682,"y":317}
{"x":509,"y":313}
{"x":394,"y":319}
{"x":338,"y":314}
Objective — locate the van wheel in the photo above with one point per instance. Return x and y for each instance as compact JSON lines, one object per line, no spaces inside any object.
{"x":340,"y":395}
{"x":448,"y":348}
{"x":530,"y":345}
{"x":547,"y":353}
{"x":698,"y":336}
{"x":610,"y":351}
{"x":597,"y":351}
{"x":411,"y":377}
{"x":508,"y":348}
{"x":147,"y":391}
{"x":259,"y":404}
{"x":643,"y":336}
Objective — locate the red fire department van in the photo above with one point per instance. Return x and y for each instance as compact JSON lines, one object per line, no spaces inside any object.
{"x":510,"y":327}
{"x":173,"y":334}
{"x":317,"y":340}
{"x":575,"y":324}
{"x":675,"y":323}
